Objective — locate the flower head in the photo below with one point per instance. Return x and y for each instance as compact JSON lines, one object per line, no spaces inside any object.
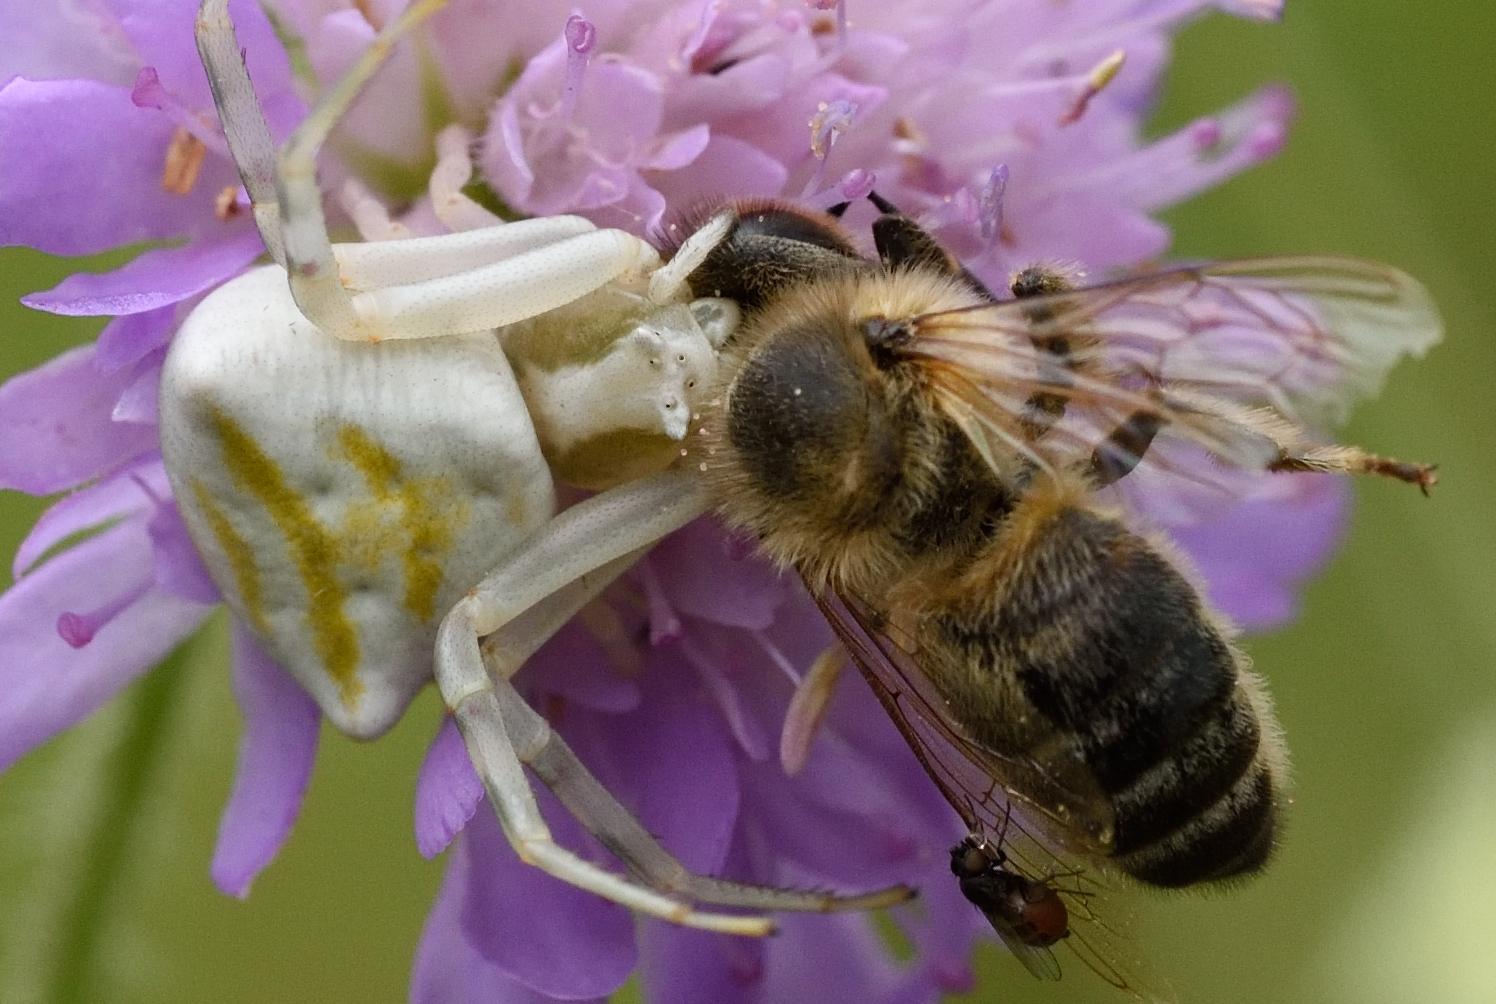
{"x":1011,"y":129}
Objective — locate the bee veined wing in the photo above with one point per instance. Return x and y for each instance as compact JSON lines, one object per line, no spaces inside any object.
{"x":983,"y":786}
{"x":1235,"y":357}
{"x":971,"y":779}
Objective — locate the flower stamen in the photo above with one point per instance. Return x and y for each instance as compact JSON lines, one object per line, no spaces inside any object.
{"x":826,"y":127}
{"x":854,"y":185}
{"x":79,"y":629}
{"x":184,"y":160}
{"x":149,"y":93}
{"x":581,"y":39}
{"x":230,"y":202}
{"x":1101,"y":74}
{"x":990,"y":205}
{"x":840,"y":6}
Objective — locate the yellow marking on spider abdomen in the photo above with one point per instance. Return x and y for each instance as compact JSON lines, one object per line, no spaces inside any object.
{"x":314,"y":552}
{"x":425,"y":515}
{"x":240,"y":555}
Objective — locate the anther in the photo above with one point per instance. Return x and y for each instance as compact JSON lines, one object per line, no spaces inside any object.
{"x":229,"y":203}
{"x":990,"y":213}
{"x":1101,"y":74}
{"x":840,"y":6}
{"x":826,"y":127}
{"x":184,"y":159}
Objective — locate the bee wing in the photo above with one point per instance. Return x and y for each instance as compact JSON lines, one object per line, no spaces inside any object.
{"x":1234,"y":358}
{"x":970,"y":777}
{"x":982,"y":785}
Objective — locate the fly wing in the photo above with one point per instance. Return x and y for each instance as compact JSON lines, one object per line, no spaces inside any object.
{"x":1037,"y":959}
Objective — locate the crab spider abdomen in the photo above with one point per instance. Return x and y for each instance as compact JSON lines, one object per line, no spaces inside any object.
{"x":344,"y":495}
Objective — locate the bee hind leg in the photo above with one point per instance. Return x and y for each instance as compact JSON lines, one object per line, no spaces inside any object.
{"x":1352,"y":460}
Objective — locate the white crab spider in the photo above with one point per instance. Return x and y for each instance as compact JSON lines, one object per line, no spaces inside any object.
{"x":346,"y":494}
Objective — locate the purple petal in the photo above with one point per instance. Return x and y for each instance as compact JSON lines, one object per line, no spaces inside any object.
{"x":56,"y":425}
{"x":161,"y":32}
{"x":151,"y":280}
{"x":116,"y":497}
{"x":1257,"y":556}
{"x":46,"y":685}
{"x":129,"y":338}
{"x":448,"y":791}
{"x":742,"y":87}
{"x":783,"y":131}
{"x":701,"y":578}
{"x":717,"y":666}
{"x":574,"y":667}
{"x":838,"y":958}
{"x":671,"y":762}
{"x":727,"y":168}
{"x":276,"y":754}
{"x":1206,"y":153}
{"x":53,"y":41}
{"x":682,"y":966}
{"x":1085,"y":227}
{"x":178,"y":569}
{"x":54,"y":196}
{"x":383,"y":120}
{"x":548,"y":935}
{"x":671,"y":153}
{"x":137,"y":402}
{"x":448,"y":970}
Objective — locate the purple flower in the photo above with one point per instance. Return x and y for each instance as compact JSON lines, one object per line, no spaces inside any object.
{"x":1010,"y":129}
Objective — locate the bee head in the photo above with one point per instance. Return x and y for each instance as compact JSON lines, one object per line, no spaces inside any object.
{"x":809,"y":414}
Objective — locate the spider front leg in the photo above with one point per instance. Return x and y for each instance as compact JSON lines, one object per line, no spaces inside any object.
{"x":424,"y":288}
{"x":535,"y":591}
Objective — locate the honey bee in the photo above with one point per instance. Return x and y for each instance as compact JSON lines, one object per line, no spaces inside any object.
{"x":952,"y":476}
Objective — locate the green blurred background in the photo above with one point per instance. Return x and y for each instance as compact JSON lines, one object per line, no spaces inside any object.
{"x":1385,"y":890}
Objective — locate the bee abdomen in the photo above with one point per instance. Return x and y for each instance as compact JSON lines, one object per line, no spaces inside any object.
{"x":1233,"y":837}
{"x":1113,"y":647}
{"x":1189,"y":780}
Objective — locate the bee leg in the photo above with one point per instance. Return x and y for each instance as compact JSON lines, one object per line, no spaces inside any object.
{"x":902,"y":243}
{"x":808,"y":708}
{"x":1353,"y":460}
{"x":1285,"y":439}
{"x":1116,"y":456}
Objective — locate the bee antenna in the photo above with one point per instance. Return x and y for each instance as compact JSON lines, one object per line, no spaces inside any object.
{"x":837,"y":211}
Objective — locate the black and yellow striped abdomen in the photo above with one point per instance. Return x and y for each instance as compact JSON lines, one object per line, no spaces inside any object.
{"x":1078,"y":645}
